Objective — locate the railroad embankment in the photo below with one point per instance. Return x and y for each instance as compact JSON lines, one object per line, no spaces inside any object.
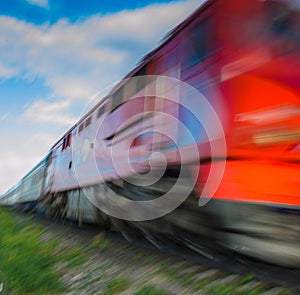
{"x":38,"y":256}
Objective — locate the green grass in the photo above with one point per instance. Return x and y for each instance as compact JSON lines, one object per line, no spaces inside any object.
{"x":139,"y":256}
{"x":144,"y":258}
{"x":246,"y":279}
{"x":26,"y":263}
{"x":100,"y":243}
{"x":149,"y":259}
{"x":116,"y":286}
{"x":174,"y":275}
{"x":150,"y":290}
{"x":163,"y":267}
{"x":287,"y":292}
{"x":187,"y":280}
{"x":92,"y":281}
{"x":201,"y":284}
{"x":75,"y":257}
{"x":233,"y":289}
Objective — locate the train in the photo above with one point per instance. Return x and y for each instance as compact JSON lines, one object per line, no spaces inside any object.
{"x":199,"y":143}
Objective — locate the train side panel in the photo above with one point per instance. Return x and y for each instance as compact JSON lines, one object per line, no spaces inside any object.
{"x":32,"y":183}
{"x":29,"y":190}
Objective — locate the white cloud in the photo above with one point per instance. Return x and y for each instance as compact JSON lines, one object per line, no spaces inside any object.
{"x":50,"y":112}
{"x":6,"y":72}
{"x":41,"y":3}
{"x":4,"y":117}
{"x":89,"y":54}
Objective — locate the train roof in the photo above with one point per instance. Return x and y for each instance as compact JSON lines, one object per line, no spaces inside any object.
{"x":149,"y":56}
{"x":170,"y":36}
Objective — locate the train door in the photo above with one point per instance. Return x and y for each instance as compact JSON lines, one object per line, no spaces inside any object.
{"x":49,"y":173}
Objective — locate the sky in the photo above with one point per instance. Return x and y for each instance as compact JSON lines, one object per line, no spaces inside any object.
{"x":55,"y":55}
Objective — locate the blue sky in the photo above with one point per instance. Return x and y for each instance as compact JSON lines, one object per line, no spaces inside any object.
{"x":55,"y":55}
{"x":41,"y":11}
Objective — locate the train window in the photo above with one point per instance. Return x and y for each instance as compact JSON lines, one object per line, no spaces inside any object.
{"x":129,"y":89}
{"x":81,"y":126}
{"x":141,"y":81}
{"x":88,"y":121}
{"x":64,"y":144}
{"x":107,"y":105}
{"x":69,"y":139}
{"x":117,"y":98}
{"x":199,"y":43}
{"x":100,"y":111}
{"x":279,"y":17}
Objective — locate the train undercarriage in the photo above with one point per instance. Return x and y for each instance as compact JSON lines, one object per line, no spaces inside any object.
{"x":261,"y":231}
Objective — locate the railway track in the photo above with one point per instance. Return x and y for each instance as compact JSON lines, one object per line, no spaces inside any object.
{"x":174,"y":269}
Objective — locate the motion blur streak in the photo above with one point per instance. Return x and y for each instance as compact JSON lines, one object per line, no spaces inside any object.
{"x":243,"y":58}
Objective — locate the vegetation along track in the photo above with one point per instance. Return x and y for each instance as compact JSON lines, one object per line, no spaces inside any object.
{"x":98,"y":262}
